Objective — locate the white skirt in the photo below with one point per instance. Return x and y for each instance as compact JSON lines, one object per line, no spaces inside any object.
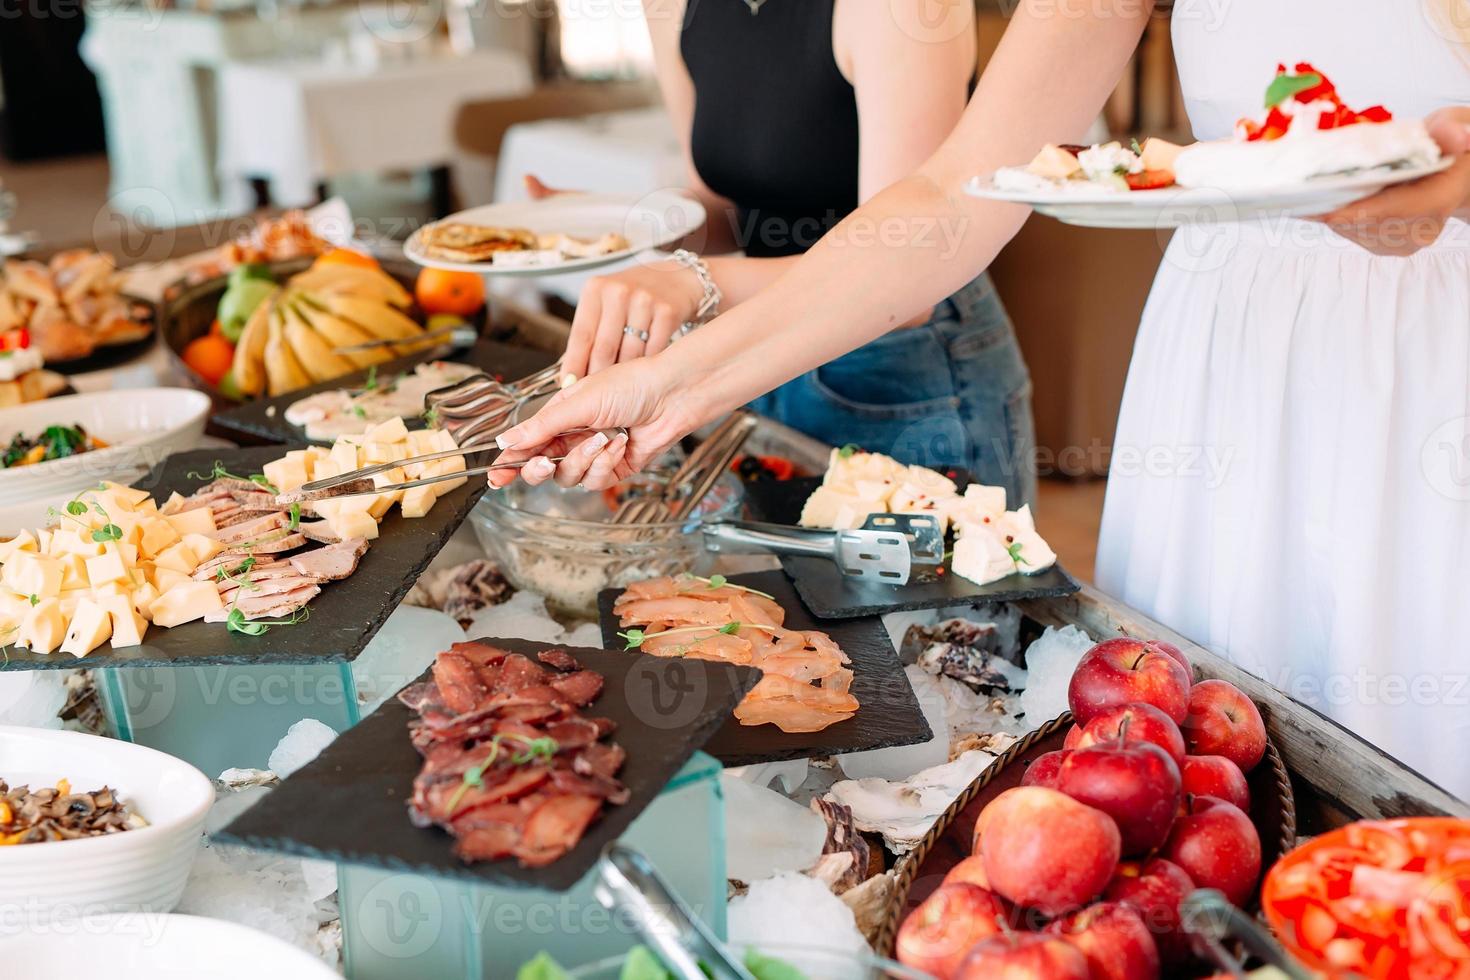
{"x":1291,"y":480}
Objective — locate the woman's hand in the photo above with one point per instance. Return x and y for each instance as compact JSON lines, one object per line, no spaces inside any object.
{"x":640,"y":397}
{"x":630,"y":314}
{"x":1404,"y":218}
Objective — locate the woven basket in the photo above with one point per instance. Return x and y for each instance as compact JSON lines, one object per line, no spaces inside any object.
{"x":1273,"y":811}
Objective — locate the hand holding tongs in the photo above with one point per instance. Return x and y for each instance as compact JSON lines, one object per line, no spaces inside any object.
{"x":627,"y":881}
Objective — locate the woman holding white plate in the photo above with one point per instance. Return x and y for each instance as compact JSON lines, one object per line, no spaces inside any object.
{"x":792,"y":112}
{"x":1322,"y":367}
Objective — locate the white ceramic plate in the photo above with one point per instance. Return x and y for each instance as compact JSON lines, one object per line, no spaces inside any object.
{"x":141,"y":426}
{"x":160,"y":947}
{"x":141,"y":870}
{"x":1174,"y":207}
{"x":646,"y":221}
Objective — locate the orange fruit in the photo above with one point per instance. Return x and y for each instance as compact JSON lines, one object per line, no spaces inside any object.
{"x":209,"y":357}
{"x":346,"y":256}
{"x":441,"y":291}
{"x":215,"y":330}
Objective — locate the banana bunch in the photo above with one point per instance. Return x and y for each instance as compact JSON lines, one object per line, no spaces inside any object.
{"x":300,"y":333}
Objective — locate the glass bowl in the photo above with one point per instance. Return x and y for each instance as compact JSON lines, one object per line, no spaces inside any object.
{"x":815,"y":963}
{"x":558,"y":542}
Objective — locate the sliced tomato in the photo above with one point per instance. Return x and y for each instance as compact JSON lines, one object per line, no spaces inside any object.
{"x":1387,"y":847}
{"x":1317,"y":927}
{"x":1367,"y":916}
{"x":1347,"y":955}
{"x":1149,"y":180}
{"x":1396,"y":888}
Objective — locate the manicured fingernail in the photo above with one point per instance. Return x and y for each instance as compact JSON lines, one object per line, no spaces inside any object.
{"x":597,"y":442}
{"x":507,"y":439}
{"x":568,"y":379}
{"x":540,"y":468}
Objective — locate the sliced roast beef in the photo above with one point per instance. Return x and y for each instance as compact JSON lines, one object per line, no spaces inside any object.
{"x":334,"y":562}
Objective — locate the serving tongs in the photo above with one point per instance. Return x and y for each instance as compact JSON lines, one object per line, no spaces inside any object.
{"x":627,"y":882}
{"x":479,"y":408}
{"x":1212,"y":922}
{"x":694,"y":479}
{"x":885,"y":549}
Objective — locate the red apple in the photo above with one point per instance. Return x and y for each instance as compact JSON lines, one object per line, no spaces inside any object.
{"x":1124,"y":670}
{"x":1154,"y":888}
{"x":1217,"y":846}
{"x":936,"y":936}
{"x":1132,"y":781}
{"x":1174,"y":652}
{"x":1115,"y":940}
{"x":1215,"y":775}
{"x":1045,"y":850}
{"x":1223,"y":721}
{"x":1044,"y":769}
{"x":1073,"y":734}
{"x":1024,"y":956}
{"x":971,"y":870}
{"x":1144,"y":722}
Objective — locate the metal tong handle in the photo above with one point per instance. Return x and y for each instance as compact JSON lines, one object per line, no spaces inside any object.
{"x":780,"y":539}
{"x":628,"y":881}
{"x":1210,"y":919}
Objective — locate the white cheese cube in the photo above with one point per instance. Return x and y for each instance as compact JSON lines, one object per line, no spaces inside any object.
{"x":393,"y":430}
{"x":345,"y":455}
{"x":981,"y":557}
{"x":143,"y":595}
{"x":184,"y":603}
{"x":107,"y":567}
{"x":286,"y":474}
{"x":353,"y":524}
{"x":417,"y":501}
{"x":127,"y":497}
{"x":73,"y":572}
{"x":165,"y":579}
{"x":24,"y":541}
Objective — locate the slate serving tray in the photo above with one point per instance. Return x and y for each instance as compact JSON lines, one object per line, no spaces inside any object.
{"x":343,"y":618}
{"x":265,"y":418}
{"x":665,"y":710}
{"x":888,"y":713}
{"x":831,"y":595}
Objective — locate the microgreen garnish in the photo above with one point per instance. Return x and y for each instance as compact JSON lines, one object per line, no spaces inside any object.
{"x":431,"y":418}
{"x":372,"y":378}
{"x":359,"y":411}
{"x":108,"y":532}
{"x":720,"y":582}
{"x":635,"y":638}
{"x":237,"y":623}
{"x":76,"y":508}
{"x":295,"y":515}
{"x":1133,"y":145}
{"x":35,"y":599}
{"x":1014,"y":550}
{"x":220,"y":473}
{"x":533,"y":749}
{"x":846,"y":451}
{"x":221,"y":575}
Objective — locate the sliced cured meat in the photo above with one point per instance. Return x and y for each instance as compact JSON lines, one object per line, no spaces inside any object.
{"x":555,"y":828}
{"x":559,"y":659}
{"x":581,"y":688}
{"x":460,"y":686}
{"x":253,"y":528}
{"x":334,"y":562}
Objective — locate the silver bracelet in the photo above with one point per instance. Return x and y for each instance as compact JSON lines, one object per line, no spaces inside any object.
{"x":709,"y":305}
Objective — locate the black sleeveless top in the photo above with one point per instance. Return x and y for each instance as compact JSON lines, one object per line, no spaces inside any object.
{"x":775,"y":122}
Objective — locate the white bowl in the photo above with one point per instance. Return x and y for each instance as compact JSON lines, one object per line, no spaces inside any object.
{"x":140,"y":425}
{"x":159,"y":947}
{"x":142,"y":870}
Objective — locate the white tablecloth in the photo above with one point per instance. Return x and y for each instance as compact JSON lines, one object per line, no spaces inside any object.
{"x":297,"y":123}
{"x":630,"y":152}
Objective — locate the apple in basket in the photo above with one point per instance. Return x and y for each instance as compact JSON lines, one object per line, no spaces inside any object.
{"x":936,"y":936}
{"x":1133,"y":781}
{"x":1144,"y":722}
{"x":1044,"y":769}
{"x":1115,"y":940}
{"x":1222,"y":720}
{"x":1215,"y":775}
{"x":1154,"y":888}
{"x":1046,"y":851}
{"x":1124,"y":670}
{"x":971,"y":870}
{"x":1024,"y":956}
{"x":1217,"y":846}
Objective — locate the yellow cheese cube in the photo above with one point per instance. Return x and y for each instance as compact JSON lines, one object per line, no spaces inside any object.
{"x":128,"y":626}
{"x":112,"y":588}
{"x":174,"y":500}
{"x":143,"y":596}
{"x":130,"y":497}
{"x":158,"y":535}
{"x":90,"y":628}
{"x":380,"y":505}
{"x":107,"y":567}
{"x":417,"y":501}
{"x":199,"y":520}
{"x":393,"y":430}
{"x":203,"y":547}
{"x":286,"y":474}
{"x":178,"y":557}
{"x":167,"y":578}
{"x":29,"y":574}
{"x":353,"y":524}
{"x":422,"y":442}
{"x":124,"y":549}
{"x":24,"y":541}
{"x":44,"y":627}
{"x":72,"y":541}
{"x":381,"y":452}
{"x":322,"y":469}
{"x":454,"y":464}
{"x":444,"y":440}
{"x":73,"y":572}
{"x":148,"y":508}
{"x":185,"y":603}
{"x":345,"y":456}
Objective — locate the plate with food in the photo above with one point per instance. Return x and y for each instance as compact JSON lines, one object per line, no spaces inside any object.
{"x":992,"y":554}
{"x":23,"y":374}
{"x":564,"y":233}
{"x":1309,"y":154}
{"x":199,"y":564}
{"x":73,"y":310}
{"x":356,"y":402}
{"x":510,"y":762}
{"x":60,"y":444}
{"x":825,"y":688}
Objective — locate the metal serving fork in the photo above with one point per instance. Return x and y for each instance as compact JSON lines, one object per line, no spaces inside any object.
{"x":479,"y":408}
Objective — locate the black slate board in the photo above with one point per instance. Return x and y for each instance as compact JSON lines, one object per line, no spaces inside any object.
{"x":888,"y":714}
{"x":349,"y":803}
{"x":343,"y":618}
{"x":254,"y":421}
{"x":831,"y":595}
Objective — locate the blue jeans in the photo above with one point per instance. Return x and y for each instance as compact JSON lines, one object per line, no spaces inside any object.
{"x":952,"y":392}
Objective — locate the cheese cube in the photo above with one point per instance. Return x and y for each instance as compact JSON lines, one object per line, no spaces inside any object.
{"x":444,"y":440}
{"x":90,"y":628}
{"x":167,"y":578}
{"x":345,"y":456}
{"x":393,"y":430}
{"x":1054,"y":162}
{"x":24,"y":541}
{"x":43,"y":628}
{"x":29,"y":574}
{"x":112,"y":588}
{"x":158,"y":535}
{"x":185,"y":603}
{"x":73,"y":572}
{"x":177,"y":557}
{"x":107,"y":567}
{"x":454,"y":464}
{"x":198,"y":520}
{"x":383,"y":452}
{"x":128,"y":626}
{"x":129,"y":497}
{"x":417,"y":501}
{"x":148,"y":508}
{"x":1159,"y":154}
{"x":323,"y":468}
{"x":353,"y":524}
{"x":175,"y":499}
{"x":143,"y":596}
{"x":981,"y":556}
{"x":422,"y":442}
{"x":70,"y":541}
{"x":838,"y":508}
{"x":286,"y":474}
{"x":202,"y":546}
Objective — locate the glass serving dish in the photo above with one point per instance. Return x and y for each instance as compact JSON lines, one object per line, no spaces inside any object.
{"x":815,"y":963}
{"x":559,"y":543}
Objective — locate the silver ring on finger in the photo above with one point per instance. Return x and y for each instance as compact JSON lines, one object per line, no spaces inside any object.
{"x":640,"y":335}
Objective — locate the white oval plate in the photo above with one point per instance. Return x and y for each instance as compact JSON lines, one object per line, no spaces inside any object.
{"x":1174,"y":207}
{"x":645,"y":220}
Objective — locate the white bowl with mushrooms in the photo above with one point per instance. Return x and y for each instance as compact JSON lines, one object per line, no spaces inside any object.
{"x":82,"y":851}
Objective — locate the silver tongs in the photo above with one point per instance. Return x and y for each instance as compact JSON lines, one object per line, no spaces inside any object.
{"x":628,"y":882}
{"x":693,"y":480}
{"x":885,"y":549}
{"x":1211,"y":921}
{"x":479,"y":408}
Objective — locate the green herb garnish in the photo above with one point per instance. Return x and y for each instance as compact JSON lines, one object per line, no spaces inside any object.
{"x":372,"y":378}
{"x":359,"y":411}
{"x":431,"y":418}
{"x":720,"y":582}
{"x":237,"y":623}
{"x":1014,"y":550}
{"x":108,"y":532}
{"x":220,"y":473}
{"x":1285,"y":86}
{"x":76,"y":508}
{"x":846,"y":451}
{"x":295,"y":515}
{"x":635,"y":638}
{"x":533,"y":749}
{"x":35,"y":599}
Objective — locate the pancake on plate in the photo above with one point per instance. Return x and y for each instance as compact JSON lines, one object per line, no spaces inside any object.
{"x":458,"y":242}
